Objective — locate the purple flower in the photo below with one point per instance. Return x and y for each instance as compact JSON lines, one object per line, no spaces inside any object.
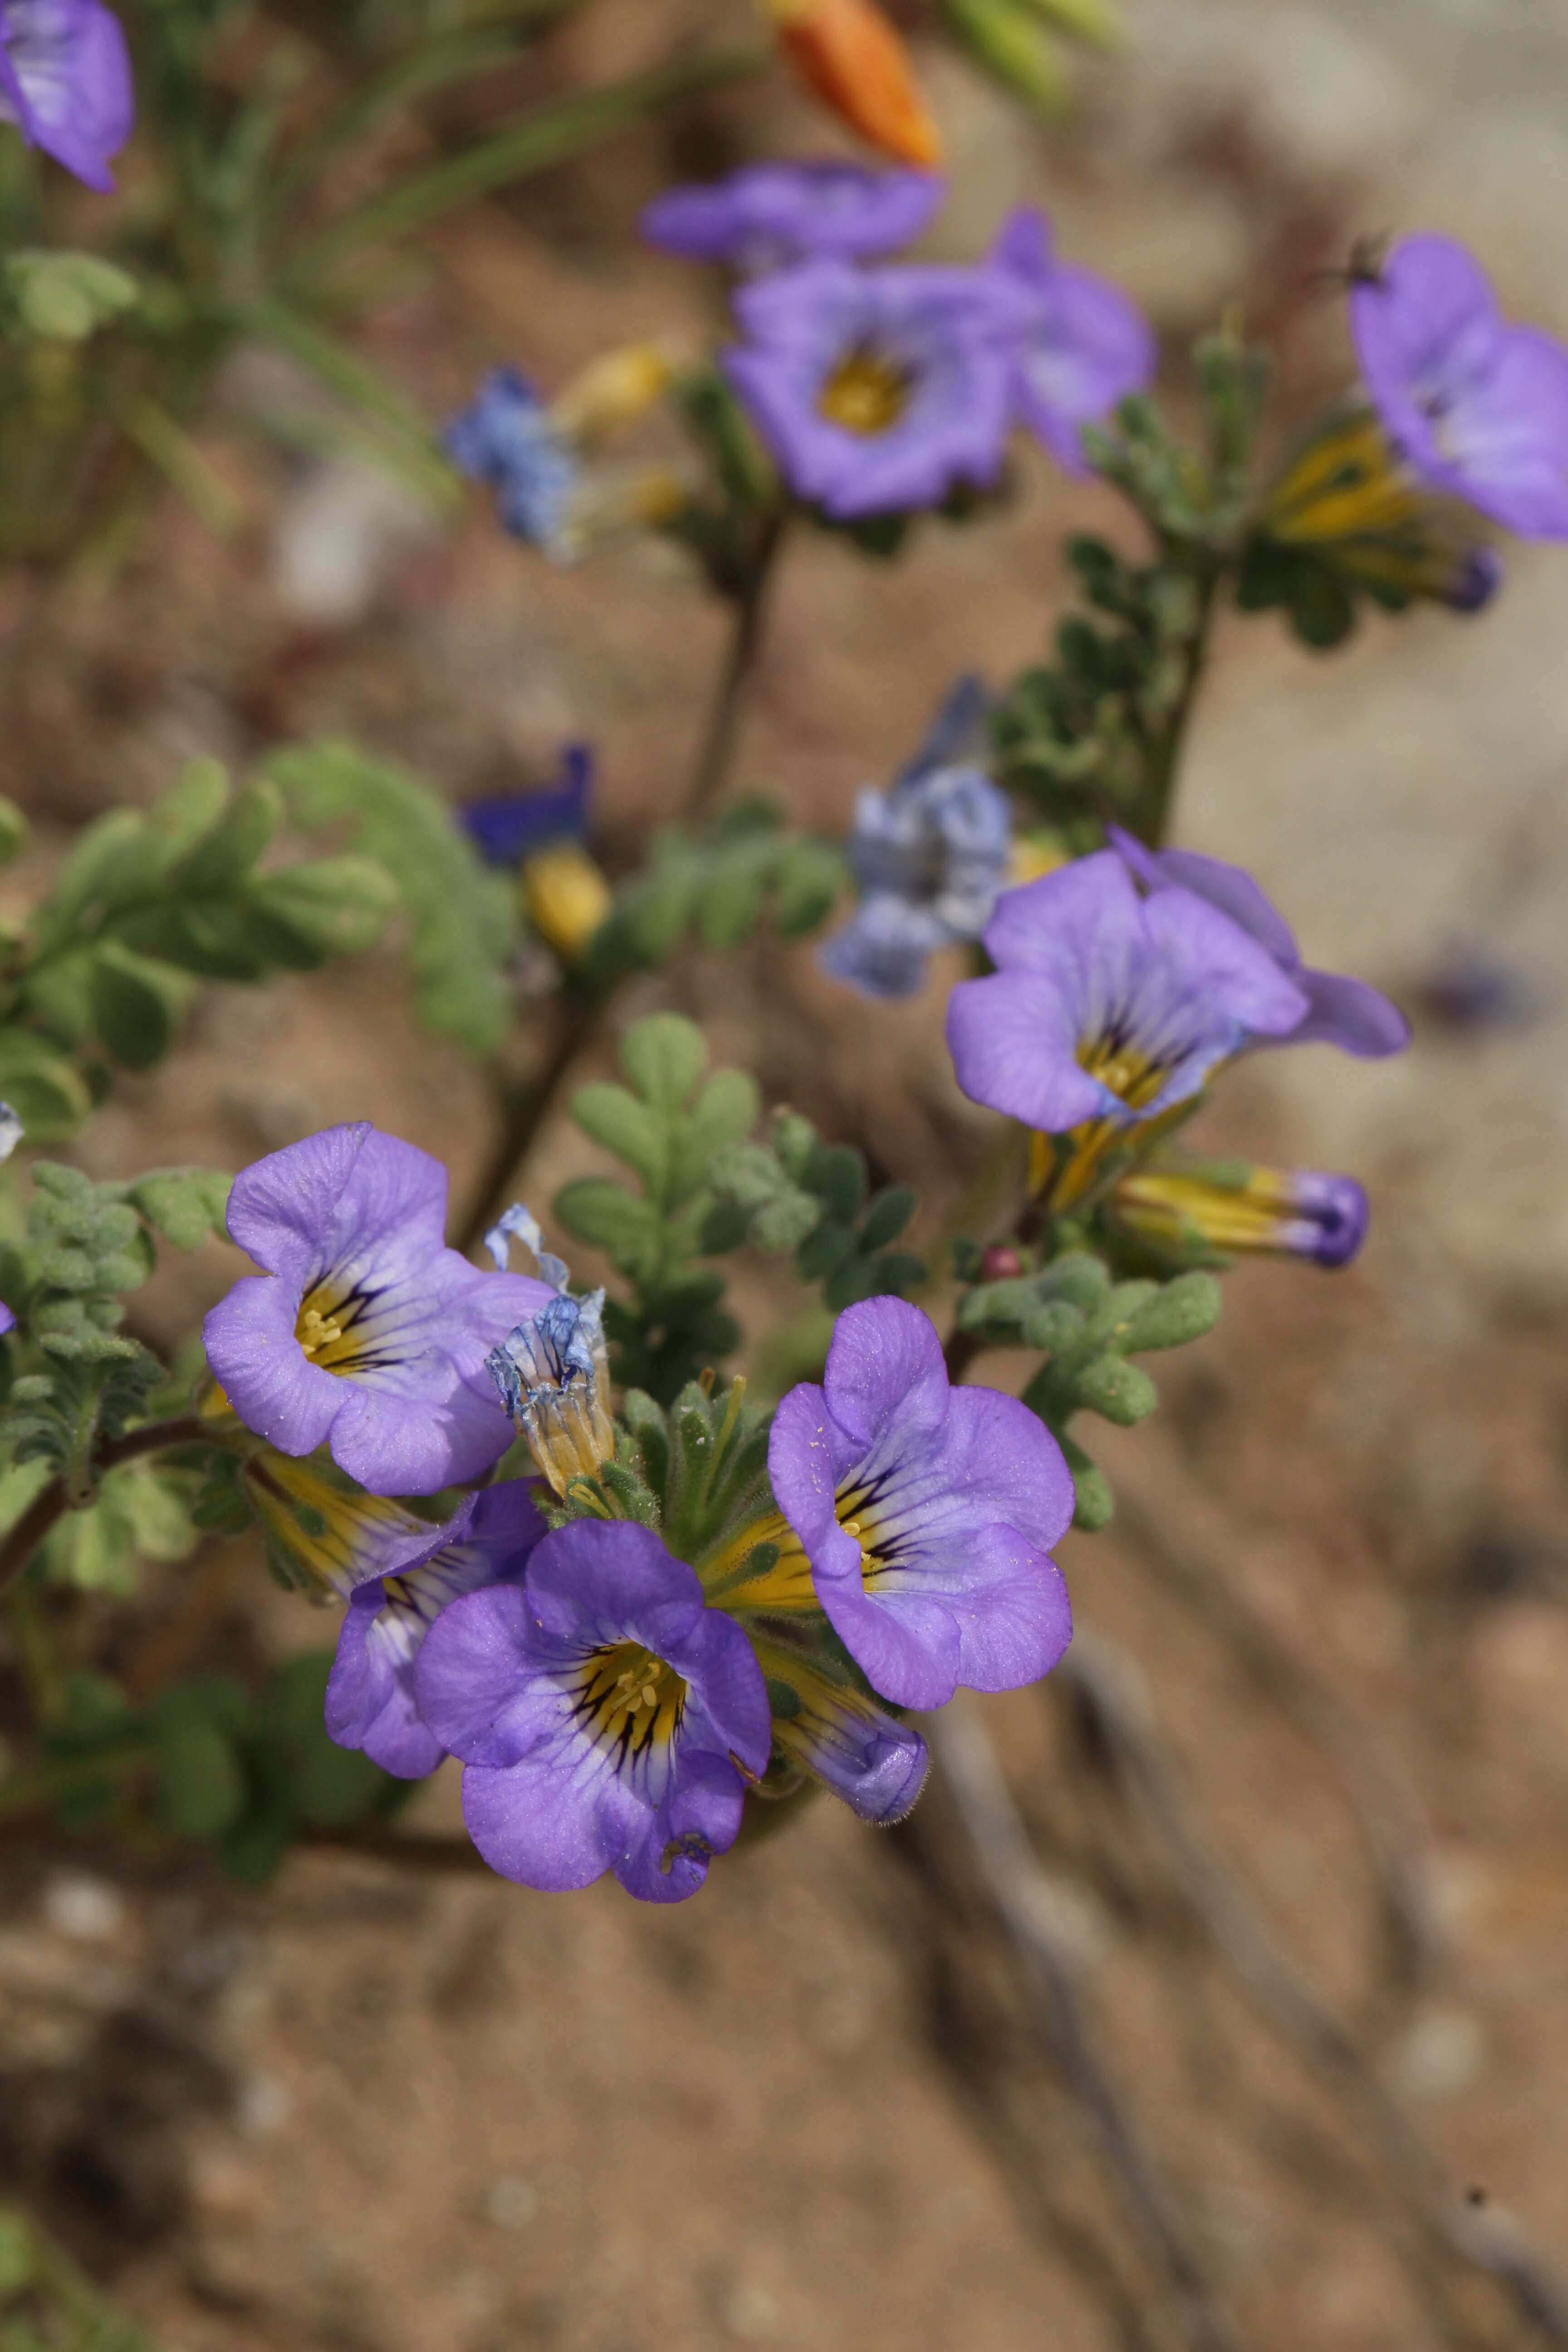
{"x":1108,"y":1007}
{"x":370,"y":1701}
{"x":606,"y":1717}
{"x":510,"y":826}
{"x":65,"y":82}
{"x":929,"y":855}
{"x":1278,"y":1211}
{"x":7,"y":1321}
{"x":926,"y":1512}
{"x":1340,"y":1011}
{"x":366,"y":1333}
{"x":878,"y":389}
{"x":1083,"y":346}
{"x":771,"y":214}
{"x":507,"y":437}
{"x":1479,"y":406}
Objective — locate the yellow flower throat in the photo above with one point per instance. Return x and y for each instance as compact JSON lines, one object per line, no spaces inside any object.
{"x":866,"y":393}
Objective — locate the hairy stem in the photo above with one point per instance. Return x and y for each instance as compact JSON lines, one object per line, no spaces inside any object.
{"x":56,"y":1499}
{"x":724,"y":721}
{"x":525,"y":1110}
{"x":1152,"y":822}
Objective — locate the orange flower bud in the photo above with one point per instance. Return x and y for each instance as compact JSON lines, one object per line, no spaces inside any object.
{"x":858,"y":63}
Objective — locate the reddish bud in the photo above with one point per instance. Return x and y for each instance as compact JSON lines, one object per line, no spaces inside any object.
{"x":1000,"y":1263}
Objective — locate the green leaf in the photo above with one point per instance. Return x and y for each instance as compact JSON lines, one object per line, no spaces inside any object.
{"x":1095,"y":1505}
{"x":13,"y":830}
{"x":663,"y":1056}
{"x":464,"y":920}
{"x":325,"y":907}
{"x":726,"y":1110}
{"x":634,"y":1131}
{"x":613,"y":1220}
{"x":135,"y":1005}
{"x":46,"y":1091}
{"x":888,"y":1215}
{"x":1181,"y":1310}
{"x":183,"y":1205}
{"x":65,"y":297}
{"x":1116,"y":1389}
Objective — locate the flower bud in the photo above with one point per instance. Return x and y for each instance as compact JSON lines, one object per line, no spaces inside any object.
{"x":566,"y":897}
{"x":856,"y":61}
{"x":1280,"y":1212}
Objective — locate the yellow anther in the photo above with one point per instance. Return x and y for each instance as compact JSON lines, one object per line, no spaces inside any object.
{"x":865,"y":393}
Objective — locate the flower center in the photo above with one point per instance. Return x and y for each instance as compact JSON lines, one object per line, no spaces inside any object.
{"x":630,"y":1695}
{"x":866,"y":393}
{"x":881,"y":1534}
{"x":1123,"y":1067}
{"x":325,"y":1329}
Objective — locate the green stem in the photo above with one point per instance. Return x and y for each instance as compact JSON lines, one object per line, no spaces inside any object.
{"x":1152,"y":822}
{"x":52,"y":1503}
{"x":723,"y":726}
{"x":524,"y":1112}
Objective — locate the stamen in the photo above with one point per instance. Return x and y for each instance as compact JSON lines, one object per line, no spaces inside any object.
{"x":866,"y":393}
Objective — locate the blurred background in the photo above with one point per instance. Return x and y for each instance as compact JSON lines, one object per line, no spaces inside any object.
{"x":427,"y":2112}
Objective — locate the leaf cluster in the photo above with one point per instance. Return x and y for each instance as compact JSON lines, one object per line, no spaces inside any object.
{"x":794,"y":1193}
{"x":717,"y":883}
{"x":1089,"y":1326}
{"x":147,"y":903}
{"x":666,"y":1126}
{"x":705,"y":1458}
{"x":208,"y":1762}
{"x":1081,"y":734}
{"x":76,"y":1378}
{"x":464,"y":920}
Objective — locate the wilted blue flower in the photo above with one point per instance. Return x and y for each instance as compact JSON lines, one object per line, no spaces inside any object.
{"x":507,"y":437}
{"x":926,"y":1512}
{"x":507,"y":827}
{"x":370,"y":1701}
{"x":1082,"y":347}
{"x":366,"y":1333}
{"x":1479,"y":407}
{"x":1280,"y":1212}
{"x":878,"y":391}
{"x":1340,"y":1010}
{"x":553,"y":1371}
{"x":771,"y":214}
{"x":607,"y":1719}
{"x":929,"y":855}
{"x":65,"y":82}
{"x":1107,"y":1009}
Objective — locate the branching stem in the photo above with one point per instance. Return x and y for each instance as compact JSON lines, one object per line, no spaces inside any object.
{"x":47,"y":1508}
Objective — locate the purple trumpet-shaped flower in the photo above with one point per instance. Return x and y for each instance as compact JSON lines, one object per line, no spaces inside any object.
{"x":370,"y":1701}
{"x":366,"y":1333}
{"x":927,"y":1513}
{"x":507,"y":827}
{"x":1107,"y":1007}
{"x":507,"y":437}
{"x":606,"y":1717}
{"x":1083,"y":345}
{"x":1278,"y":1211}
{"x":1479,"y":406}
{"x":65,"y":82}
{"x":1340,"y":1010}
{"x":929,"y":855}
{"x":878,"y":389}
{"x":771,"y":214}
